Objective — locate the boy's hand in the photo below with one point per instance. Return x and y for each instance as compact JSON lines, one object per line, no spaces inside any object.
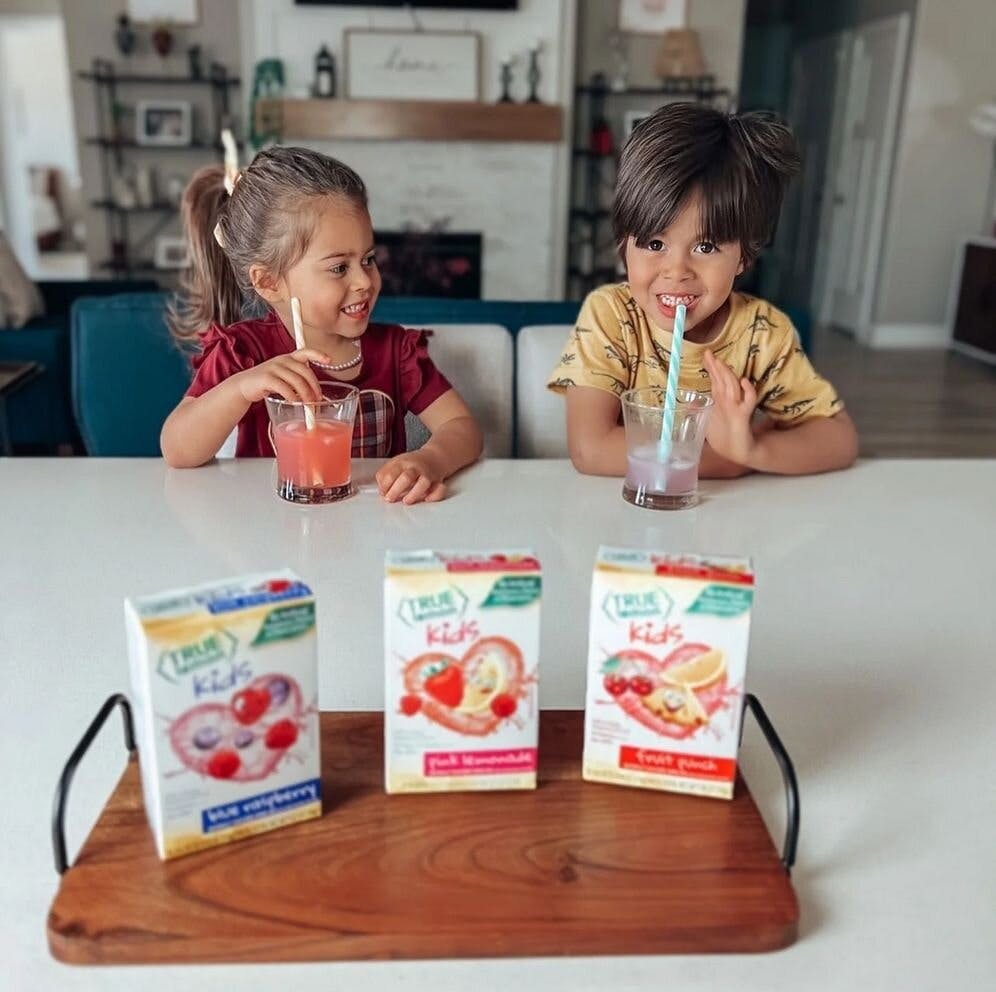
{"x":729,"y":432}
{"x":411,"y":478}
{"x":288,"y":376}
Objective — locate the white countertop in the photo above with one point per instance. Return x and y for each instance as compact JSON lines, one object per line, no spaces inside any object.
{"x":873,"y":650}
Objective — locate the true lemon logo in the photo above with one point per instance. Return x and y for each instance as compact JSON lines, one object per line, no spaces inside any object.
{"x":177,"y":662}
{"x":637,"y":605}
{"x":449,"y":602}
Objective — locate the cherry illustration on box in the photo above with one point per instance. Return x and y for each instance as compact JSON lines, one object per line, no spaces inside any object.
{"x":675,"y":696}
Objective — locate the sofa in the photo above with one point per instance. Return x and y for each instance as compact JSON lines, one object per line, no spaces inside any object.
{"x":40,"y":415}
{"x":127,"y":374}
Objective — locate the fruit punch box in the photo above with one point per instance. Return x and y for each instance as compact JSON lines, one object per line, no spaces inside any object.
{"x":667,"y":656}
{"x":224,"y":680}
{"x":461,"y":635}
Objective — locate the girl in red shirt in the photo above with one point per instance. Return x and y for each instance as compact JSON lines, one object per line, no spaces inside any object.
{"x":295,"y":223}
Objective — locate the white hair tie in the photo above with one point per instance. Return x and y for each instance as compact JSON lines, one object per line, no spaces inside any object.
{"x":232,"y":173}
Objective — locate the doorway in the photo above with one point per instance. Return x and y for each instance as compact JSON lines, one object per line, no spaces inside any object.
{"x":43,"y":209}
{"x":866,"y":116}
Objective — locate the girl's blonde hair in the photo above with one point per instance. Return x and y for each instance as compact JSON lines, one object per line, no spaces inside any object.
{"x":267,"y":220}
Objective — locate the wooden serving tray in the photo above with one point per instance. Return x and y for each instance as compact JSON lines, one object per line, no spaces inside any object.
{"x":571,"y":868}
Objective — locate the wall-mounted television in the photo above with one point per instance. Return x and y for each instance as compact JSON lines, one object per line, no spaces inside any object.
{"x":427,"y":4}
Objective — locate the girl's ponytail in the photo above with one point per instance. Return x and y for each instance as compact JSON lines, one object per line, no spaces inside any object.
{"x":209,"y":291}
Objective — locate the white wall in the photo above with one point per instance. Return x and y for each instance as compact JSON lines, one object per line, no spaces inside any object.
{"x":34,"y":60}
{"x":35,"y":119}
{"x":942,"y":168}
{"x":514,"y":192}
{"x":31,"y":7}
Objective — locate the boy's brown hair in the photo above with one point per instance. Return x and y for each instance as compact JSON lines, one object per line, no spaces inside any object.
{"x":741,"y":164}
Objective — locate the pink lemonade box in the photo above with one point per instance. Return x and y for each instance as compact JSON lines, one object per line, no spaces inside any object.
{"x":667,"y":657}
{"x":224,"y":684}
{"x":461,"y":635}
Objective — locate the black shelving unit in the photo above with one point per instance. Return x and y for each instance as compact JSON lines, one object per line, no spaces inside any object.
{"x":591,"y":257}
{"x":129,"y":143}
{"x":150,"y":208}
{"x":127,"y":255}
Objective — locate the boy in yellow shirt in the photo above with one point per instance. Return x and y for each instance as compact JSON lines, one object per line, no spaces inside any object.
{"x":696,"y":199}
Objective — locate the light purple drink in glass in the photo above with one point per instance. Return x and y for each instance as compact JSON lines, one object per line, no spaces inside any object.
{"x":671,"y":482}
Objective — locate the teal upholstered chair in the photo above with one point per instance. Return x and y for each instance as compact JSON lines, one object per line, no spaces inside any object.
{"x":39,"y":415}
{"x":127,"y":374}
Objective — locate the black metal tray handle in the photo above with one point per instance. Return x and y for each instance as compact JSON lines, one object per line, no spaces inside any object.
{"x":752,"y":703}
{"x":66,"y":778}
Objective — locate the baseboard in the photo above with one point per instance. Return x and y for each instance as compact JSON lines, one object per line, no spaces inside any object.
{"x":971,"y":351}
{"x":910,"y":336}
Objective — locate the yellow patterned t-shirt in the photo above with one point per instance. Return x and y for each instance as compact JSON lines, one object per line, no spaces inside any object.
{"x":615,"y":347}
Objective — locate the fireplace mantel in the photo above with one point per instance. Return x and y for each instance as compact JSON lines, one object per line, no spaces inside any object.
{"x":410,"y":120}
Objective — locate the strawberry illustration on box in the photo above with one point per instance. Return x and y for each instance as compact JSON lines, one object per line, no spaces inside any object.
{"x":666,"y":662}
{"x":462,"y":645}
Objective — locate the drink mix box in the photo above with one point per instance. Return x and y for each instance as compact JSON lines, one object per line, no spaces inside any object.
{"x":461,"y":635}
{"x":667,"y":656}
{"x":224,"y":680}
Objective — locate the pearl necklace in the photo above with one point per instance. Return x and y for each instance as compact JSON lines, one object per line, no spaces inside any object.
{"x":343,"y":366}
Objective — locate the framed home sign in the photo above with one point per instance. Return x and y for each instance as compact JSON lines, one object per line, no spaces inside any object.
{"x":412,"y":65}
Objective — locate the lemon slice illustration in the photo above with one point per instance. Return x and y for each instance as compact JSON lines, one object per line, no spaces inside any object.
{"x":700,"y":671}
{"x":484,"y":683}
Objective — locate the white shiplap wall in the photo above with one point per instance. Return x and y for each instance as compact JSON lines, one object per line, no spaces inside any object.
{"x":514,"y":192}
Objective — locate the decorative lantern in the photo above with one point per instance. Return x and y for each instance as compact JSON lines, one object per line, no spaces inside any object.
{"x":324,"y":73}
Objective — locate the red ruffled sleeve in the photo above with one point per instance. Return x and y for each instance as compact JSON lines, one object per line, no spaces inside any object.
{"x":241,"y":346}
{"x":421,"y":382}
{"x":222,"y":355}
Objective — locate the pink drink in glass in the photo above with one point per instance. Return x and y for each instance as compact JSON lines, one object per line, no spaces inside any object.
{"x":313,"y":444}
{"x":317,"y":458}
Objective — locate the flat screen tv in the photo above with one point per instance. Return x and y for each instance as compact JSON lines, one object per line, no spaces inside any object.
{"x":438,"y":4}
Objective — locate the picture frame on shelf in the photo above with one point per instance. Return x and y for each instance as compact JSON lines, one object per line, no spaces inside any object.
{"x":652,"y":16}
{"x":412,"y":65}
{"x":171,"y":252}
{"x":631,"y":119}
{"x":163,"y":122}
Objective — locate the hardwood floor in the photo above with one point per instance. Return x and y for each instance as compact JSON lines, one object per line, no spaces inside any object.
{"x":916,"y":403}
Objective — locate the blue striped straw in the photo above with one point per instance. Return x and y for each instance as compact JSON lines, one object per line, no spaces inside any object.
{"x":671,"y":395}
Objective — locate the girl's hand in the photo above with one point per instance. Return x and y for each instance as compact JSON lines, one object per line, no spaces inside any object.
{"x":411,"y":478}
{"x":729,"y":432}
{"x":288,"y":376}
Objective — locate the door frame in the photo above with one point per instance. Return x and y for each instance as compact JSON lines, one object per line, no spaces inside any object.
{"x":881,"y":183}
